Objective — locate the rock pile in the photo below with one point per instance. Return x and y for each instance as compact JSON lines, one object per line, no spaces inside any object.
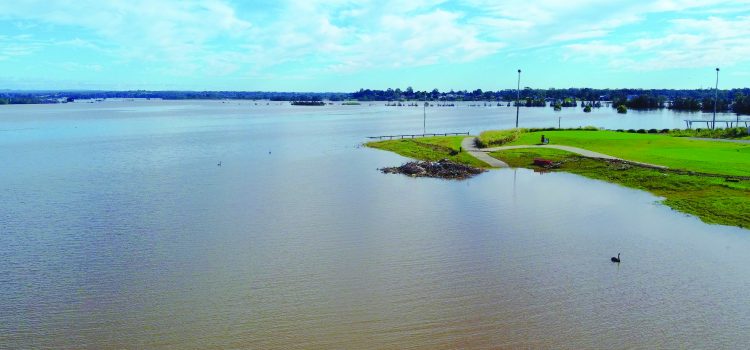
{"x":546,"y":163}
{"x":444,"y":169}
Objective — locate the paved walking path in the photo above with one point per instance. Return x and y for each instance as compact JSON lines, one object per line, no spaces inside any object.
{"x":468,"y":145}
{"x":481,"y":153}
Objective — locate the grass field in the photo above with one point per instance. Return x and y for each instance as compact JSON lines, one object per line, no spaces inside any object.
{"x":712,"y":199}
{"x":675,"y":152}
{"x":430,"y":148}
{"x":722,"y":199}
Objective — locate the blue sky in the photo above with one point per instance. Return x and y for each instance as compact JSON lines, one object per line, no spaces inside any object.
{"x":341,"y":45}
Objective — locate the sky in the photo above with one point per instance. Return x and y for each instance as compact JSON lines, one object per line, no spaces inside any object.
{"x":342,"y":45}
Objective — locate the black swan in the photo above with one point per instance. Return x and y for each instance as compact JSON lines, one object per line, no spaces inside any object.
{"x":617,"y":259}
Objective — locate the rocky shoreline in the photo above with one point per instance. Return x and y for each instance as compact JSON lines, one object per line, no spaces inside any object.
{"x":444,"y":169}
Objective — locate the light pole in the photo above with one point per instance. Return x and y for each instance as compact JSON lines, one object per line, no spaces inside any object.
{"x":424,"y":115}
{"x":716,"y":99}
{"x":518,"y":96}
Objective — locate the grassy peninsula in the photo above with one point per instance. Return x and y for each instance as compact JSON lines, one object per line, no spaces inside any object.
{"x":708,"y":179}
{"x":430,"y":148}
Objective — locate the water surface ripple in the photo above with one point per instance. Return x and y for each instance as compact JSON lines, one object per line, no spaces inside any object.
{"x":118,"y":230}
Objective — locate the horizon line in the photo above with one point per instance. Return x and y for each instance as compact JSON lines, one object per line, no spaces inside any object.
{"x":348,"y":92}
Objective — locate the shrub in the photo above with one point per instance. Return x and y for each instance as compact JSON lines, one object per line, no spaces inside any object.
{"x":542,"y":129}
{"x":497,"y":137}
{"x":631,"y":131}
{"x":620,"y":130}
{"x":664,"y":131}
{"x":622,"y":109}
{"x":641,"y":131}
{"x":728,"y":133}
{"x":585,"y":128}
{"x":652,"y":131}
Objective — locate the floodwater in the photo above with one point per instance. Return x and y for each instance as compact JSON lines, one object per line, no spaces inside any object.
{"x":119,"y":230}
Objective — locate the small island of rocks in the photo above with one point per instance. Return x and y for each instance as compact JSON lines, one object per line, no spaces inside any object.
{"x":444,"y":169}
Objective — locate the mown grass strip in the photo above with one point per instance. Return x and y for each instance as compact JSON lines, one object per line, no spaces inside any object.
{"x":675,"y":152}
{"x":718,"y":200}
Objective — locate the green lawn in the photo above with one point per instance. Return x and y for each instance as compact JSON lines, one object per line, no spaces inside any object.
{"x":675,"y":152}
{"x":430,"y":148}
{"x":522,"y":158}
{"x":712,"y":199}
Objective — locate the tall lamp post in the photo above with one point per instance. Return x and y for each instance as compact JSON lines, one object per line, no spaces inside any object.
{"x":716,"y":99}
{"x":424,"y":115}
{"x":518,"y":96}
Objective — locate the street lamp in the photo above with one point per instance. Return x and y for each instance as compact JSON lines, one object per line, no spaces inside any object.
{"x":518,"y":96}
{"x":424,"y":115}
{"x":716,"y":99}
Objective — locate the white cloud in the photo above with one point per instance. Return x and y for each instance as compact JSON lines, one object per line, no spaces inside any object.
{"x":75,"y":66}
{"x":350,"y":36}
{"x":587,"y":34}
{"x":538,"y":23}
{"x":18,"y":46}
{"x":417,"y":40}
{"x":687,"y":43}
{"x":593,"y":49}
{"x":214,"y":38}
{"x":142,"y":30}
{"x":546,"y":22}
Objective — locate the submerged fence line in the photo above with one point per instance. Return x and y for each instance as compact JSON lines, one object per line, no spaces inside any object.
{"x":404,"y":136}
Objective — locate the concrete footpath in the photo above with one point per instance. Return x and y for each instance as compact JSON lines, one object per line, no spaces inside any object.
{"x":468,"y":145}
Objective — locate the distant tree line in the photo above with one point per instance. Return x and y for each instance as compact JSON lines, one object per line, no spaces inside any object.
{"x":12,"y":97}
{"x":22,"y":99}
{"x":736,"y":100}
{"x":741,"y":103}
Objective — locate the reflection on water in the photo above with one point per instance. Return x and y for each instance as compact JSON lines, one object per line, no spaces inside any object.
{"x":118,"y":230}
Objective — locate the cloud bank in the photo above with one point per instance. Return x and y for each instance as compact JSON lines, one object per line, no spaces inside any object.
{"x":217,"y":38}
